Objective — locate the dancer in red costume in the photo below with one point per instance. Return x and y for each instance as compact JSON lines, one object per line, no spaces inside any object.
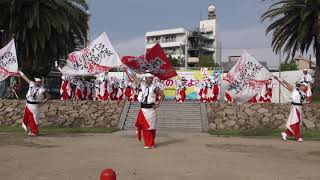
{"x":215,"y":88}
{"x":36,"y":96}
{"x":295,"y":116}
{"x":129,"y":91}
{"x":65,"y":90}
{"x":266,"y":92}
{"x":147,"y":121}
{"x":307,"y":78}
{"x":181,"y":88}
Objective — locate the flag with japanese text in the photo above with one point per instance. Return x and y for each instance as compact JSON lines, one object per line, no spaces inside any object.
{"x":154,"y":61}
{"x":100,"y":56}
{"x":245,"y":79}
{"x":8,"y":61}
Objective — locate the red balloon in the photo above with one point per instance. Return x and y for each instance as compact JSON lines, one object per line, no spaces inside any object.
{"x":108,"y":174}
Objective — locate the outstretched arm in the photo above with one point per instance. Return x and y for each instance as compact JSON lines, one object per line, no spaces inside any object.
{"x":133,"y":76}
{"x":57,"y":65}
{"x":284,"y":83}
{"x":24,"y":77}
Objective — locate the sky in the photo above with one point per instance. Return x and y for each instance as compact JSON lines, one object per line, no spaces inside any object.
{"x":239,"y":25}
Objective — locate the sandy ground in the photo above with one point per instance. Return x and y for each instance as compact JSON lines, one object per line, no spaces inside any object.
{"x":178,"y":156}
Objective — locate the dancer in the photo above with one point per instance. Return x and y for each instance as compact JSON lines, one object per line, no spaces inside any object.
{"x":65,"y":90}
{"x":295,"y":116}
{"x":129,"y":91}
{"x":266,"y":92}
{"x":215,"y":88}
{"x":36,"y":96}
{"x":181,"y":88}
{"x":307,"y":78}
{"x":147,"y":120}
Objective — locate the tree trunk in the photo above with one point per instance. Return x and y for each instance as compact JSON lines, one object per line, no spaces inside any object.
{"x":316,"y":89}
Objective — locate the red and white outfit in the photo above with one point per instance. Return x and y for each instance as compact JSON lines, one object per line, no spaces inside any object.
{"x":31,"y":116}
{"x":307,"y":78}
{"x":105,"y":88}
{"x":129,"y":92}
{"x":181,"y":91}
{"x":295,"y":116}
{"x":89,"y":89}
{"x":136,"y":91}
{"x":228,"y":98}
{"x":266,"y":92}
{"x":120,"y":92}
{"x":215,"y":92}
{"x":65,"y":90}
{"x":206,"y":94}
{"x":147,"y":120}
{"x":215,"y":88}
{"x":79,"y":90}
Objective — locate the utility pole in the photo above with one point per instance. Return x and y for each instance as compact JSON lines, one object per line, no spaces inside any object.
{"x":279,"y":76}
{"x":186,"y":52}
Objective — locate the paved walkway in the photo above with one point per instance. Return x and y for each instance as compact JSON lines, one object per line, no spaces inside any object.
{"x":179,"y":156}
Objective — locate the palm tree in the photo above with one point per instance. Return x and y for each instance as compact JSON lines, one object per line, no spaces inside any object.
{"x":44,"y":30}
{"x":295,"y":28}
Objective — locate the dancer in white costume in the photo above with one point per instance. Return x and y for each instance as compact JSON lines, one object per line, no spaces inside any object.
{"x":296,"y":113}
{"x":36,"y":96}
{"x":307,"y":78}
{"x":147,"y":121}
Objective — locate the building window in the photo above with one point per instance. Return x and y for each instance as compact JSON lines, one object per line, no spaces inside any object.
{"x":169,"y":38}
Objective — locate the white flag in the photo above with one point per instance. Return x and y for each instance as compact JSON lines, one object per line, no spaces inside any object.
{"x":97,"y":58}
{"x":245,"y":79}
{"x":8,"y":61}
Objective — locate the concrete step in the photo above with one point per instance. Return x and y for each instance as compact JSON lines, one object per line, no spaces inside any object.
{"x":171,"y":129}
{"x":170,"y":120}
{"x":170,"y":116}
{"x":178,"y":121}
{"x":171,"y":124}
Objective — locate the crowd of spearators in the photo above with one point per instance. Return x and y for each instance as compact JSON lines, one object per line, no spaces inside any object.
{"x":107,"y":87}
{"x":101,"y":88}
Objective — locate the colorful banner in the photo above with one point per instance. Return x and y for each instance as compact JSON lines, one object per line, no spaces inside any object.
{"x":97,"y":58}
{"x":8,"y":61}
{"x":155,"y":61}
{"x":245,"y":79}
{"x":195,"y":78}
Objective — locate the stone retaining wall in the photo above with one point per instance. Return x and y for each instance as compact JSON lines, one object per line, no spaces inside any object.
{"x":250,"y":116}
{"x":65,"y":113}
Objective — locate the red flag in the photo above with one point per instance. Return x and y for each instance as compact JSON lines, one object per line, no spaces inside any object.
{"x":155,"y":61}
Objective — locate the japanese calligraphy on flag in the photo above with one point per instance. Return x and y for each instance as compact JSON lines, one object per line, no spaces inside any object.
{"x":8,"y":61}
{"x":245,"y":79}
{"x":154,"y":61}
{"x":100,"y":56}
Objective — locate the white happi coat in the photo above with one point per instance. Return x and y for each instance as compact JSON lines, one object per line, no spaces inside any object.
{"x":35,"y":94}
{"x":307,"y":79}
{"x":66,"y":79}
{"x":148,"y":96}
{"x":295,"y":115}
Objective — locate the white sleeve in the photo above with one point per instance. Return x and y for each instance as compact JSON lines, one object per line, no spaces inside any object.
{"x":31,"y":84}
{"x":310,"y":79}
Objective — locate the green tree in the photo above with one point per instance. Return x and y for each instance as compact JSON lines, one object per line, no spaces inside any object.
{"x":174,"y":61}
{"x":295,"y":28}
{"x":44,"y":30}
{"x":288,"y":66}
{"x":206,"y":61}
